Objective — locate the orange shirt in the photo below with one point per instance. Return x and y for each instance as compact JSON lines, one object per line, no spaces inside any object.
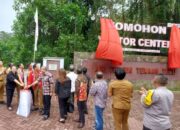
{"x":83,"y":92}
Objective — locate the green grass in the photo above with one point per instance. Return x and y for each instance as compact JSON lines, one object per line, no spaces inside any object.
{"x":173,"y":86}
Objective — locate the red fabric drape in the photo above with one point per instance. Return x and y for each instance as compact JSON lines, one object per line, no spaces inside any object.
{"x":174,"y":48}
{"x":109,"y":46}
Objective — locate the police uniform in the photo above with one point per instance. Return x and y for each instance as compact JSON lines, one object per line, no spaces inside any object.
{"x":2,"y":83}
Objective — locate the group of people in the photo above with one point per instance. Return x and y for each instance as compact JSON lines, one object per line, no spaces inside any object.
{"x":76,"y":86}
{"x":37,"y":80}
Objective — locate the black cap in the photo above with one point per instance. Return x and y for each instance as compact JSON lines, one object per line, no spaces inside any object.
{"x":79,"y":70}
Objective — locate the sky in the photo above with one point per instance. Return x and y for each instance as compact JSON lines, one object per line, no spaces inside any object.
{"x":7,"y":15}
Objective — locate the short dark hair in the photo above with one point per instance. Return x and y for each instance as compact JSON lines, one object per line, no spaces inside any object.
{"x":28,"y":65}
{"x":34,"y":66}
{"x":161,"y":79}
{"x":84,"y":70}
{"x":120,"y":73}
{"x":99,"y":75}
{"x":79,"y":70}
{"x":19,"y":65}
{"x":10,"y":65}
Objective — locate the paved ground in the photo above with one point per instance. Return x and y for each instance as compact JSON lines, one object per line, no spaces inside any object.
{"x":10,"y":121}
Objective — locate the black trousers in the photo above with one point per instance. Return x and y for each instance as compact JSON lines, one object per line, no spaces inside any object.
{"x":145,"y":128}
{"x":32,"y":92}
{"x":63,"y":107}
{"x":81,"y":108}
{"x":47,"y":104}
{"x":9,"y":95}
{"x":70,"y":104}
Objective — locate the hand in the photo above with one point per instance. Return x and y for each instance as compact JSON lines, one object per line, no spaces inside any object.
{"x":143,"y":91}
{"x":22,"y":84}
{"x":26,"y":87}
{"x":51,"y":94}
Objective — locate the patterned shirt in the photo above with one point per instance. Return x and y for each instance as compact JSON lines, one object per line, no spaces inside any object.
{"x":99,"y":91}
{"x":47,"y":82}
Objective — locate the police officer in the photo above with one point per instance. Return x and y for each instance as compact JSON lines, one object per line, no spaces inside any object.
{"x":2,"y":82}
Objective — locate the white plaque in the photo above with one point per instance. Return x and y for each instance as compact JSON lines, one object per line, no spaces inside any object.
{"x":52,"y":66}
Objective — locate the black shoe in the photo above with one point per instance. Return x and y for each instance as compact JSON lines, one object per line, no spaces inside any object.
{"x":65,"y":117}
{"x":81,"y":125}
{"x":2,"y":102}
{"x":77,"y":120}
{"x":86,"y":112}
{"x":42,"y":113}
{"x":33,"y":108}
{"x":45,"y":117}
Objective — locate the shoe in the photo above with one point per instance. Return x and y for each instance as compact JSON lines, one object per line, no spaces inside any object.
{"x":45,"y":117}
{"x":62,"y":120}
{"x":34,"y":108}
{"x":77,"y":120}
{"x":40,"y":109}
{"x":2,"y":102}
{"x":81,"y":125}
{"x":9,"y":108}
{"x":86,"y":112}
{"x":65,"y":117}
{"x":42,"y":113}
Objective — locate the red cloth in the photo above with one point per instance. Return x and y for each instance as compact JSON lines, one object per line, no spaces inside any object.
{"x":30,"y":79}
{"x":174,"y":48}
{"x":109,"y":46}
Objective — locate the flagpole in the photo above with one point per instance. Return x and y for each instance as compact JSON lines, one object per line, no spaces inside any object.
{"x":34,"y":58}
{"x":36,"y":34}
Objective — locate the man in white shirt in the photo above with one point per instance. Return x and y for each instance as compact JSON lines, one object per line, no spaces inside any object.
{"x":73,"y":76}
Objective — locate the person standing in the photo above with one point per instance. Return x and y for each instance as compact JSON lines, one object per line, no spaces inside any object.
{"x":9,"y":68}
{"x":72,"y":76}
{"x":30,"y":78}
{"x":48,"y":86}
{"x":121,"y":91}
{"x":84,"y":70}
{"x":12,"y":80}
{"x":2,"y":82}
{"x":157,"y":104}
{"x":63,"y":91}
{"x":99,"y":92}
{"x":81,"y":94}
{"x":37,"y":88}
{"x":20,"y":73}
